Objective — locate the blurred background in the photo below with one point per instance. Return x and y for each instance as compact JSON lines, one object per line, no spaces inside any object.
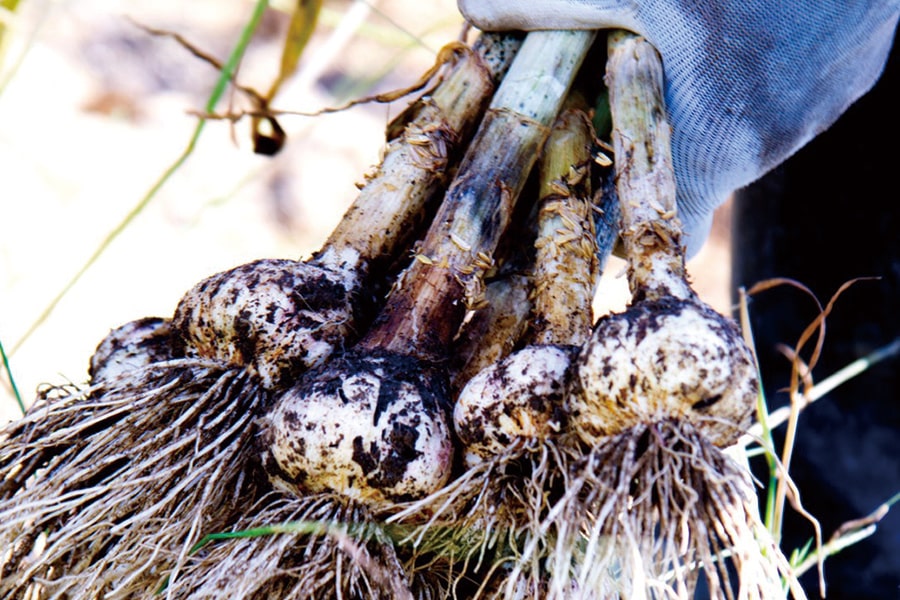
{"x":94,"y":109}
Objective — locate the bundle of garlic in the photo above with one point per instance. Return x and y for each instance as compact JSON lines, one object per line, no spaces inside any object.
{"x":508,"y":414}
{"x":371,"y":427}
{"x":653,"y":503}
{"x":105,"y":490}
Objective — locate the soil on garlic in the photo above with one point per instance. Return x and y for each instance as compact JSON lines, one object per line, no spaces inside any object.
{"x":521,"y":396}
{"x":277,"y":317}
{"x":661,"y":359}
{"x":371,"y":425}
{"x":131,"y":346}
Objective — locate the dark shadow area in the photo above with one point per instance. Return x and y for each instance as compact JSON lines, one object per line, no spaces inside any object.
{"x":830,"y":214}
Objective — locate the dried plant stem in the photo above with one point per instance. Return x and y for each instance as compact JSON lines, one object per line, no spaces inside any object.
{"x":566,"y":265}
{"x":390,"y":205}
{"x":651,"y":233}
{"x":477,"y":207}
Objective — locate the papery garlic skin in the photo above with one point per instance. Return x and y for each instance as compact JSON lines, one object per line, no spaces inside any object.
{"x":371,"y":426}
{"x":519,"y":397}
{"x":276,"y":317}
{"x":665,"y":359}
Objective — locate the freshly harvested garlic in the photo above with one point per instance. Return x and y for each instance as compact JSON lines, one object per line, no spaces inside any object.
{"x":371,"y":426}
{"x":519,"y":397}
{"x":276,"y":317}
{"x":665,"y":359}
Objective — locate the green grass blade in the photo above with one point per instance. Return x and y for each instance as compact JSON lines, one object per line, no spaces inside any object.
{"x":12,"y":380}
{"x":225,"y":76}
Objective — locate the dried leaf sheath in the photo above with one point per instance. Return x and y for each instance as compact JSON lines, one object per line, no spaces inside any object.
{"x":566,"y":265}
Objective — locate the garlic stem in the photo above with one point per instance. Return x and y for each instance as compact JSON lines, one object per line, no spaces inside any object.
{"x":416,"y":164}
{"x":520,"y":397}
{"x":425,"y":310}
{"x":651,"y":231}
{"x":566,"y":264}
{"x":495,"y":328}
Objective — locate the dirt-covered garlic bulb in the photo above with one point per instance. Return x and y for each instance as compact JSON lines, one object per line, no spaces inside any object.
{"x":519,"y":397}
{"x":666,"y":359}
{"x":277,"y":317}
{"x":373,"y":427}
{"x":669,"y":355}
{"x":131,"y":346}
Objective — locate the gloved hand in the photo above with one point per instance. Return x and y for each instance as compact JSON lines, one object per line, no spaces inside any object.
{"x":748,"y":82}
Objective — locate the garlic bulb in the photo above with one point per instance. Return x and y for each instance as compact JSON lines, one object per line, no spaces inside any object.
{"x":519,"y":397}
{"x":131,"y":346}
{"x":668,"y":356}
{"x":276,"y":317}
{"x":665,"y":359}
{"x":373,"y":427}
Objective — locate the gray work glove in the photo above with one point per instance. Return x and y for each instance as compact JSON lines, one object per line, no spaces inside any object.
{"x":748,"y":82}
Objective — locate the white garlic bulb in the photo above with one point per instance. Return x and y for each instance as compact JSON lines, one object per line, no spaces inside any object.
{"x":665,"y":359}
{"x":518,"y":397}
{"x":131,"y":346}
{"x":373,"y":427}
{"x":276,"y":317}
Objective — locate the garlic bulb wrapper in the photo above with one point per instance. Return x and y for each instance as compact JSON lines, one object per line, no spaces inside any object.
{"x":277,"y":317}
{"x":370,"y":425}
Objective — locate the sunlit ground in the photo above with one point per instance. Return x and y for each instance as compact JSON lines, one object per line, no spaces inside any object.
{"x":98,"y":109}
